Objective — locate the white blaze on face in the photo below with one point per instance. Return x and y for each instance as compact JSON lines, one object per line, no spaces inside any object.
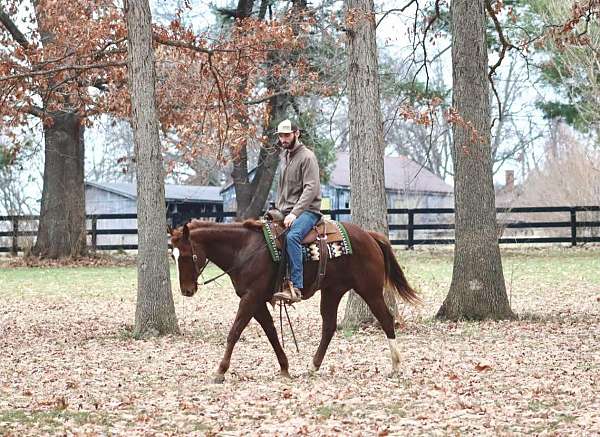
{"x":176,"y":257}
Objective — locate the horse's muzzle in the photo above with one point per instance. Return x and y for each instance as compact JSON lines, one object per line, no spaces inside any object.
{"x":189,"y":292}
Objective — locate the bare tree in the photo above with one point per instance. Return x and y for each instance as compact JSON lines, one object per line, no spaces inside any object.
{"x":477,"y":290}
{"x":576,"y":166}
{"x":110,"y":156}
{"x":155,"y":310}
{"x":14,"y":199}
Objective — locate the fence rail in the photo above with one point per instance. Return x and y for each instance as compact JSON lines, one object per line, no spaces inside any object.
{"x":407,"y":214}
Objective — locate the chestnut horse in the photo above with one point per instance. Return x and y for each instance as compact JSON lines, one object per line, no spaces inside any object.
{"x":240,"y":250}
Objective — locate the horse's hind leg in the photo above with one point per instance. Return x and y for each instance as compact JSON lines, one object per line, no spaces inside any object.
{"x":330,"y":300}
{"x":246,"y":310}
{"x":382,"y":313}
{"x":263,"y":317}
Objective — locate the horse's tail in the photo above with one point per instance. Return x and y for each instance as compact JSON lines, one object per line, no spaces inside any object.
{"x":393,"y":272}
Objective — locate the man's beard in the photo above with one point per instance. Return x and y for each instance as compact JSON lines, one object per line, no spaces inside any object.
{"x":289,"y":146}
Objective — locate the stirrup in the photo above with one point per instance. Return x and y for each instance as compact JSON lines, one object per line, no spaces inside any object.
{"x":289,"y":294}
{"x":287,"y":298}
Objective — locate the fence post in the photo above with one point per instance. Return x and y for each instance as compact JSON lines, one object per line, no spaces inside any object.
{"x":94,"y":234}
{"x":573,"y":227}
{"x":411,"y":230}
{"x":15,"y":237}
{"x":175,"y":219}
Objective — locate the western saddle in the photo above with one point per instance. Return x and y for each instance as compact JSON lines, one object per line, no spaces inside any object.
{"x":323,"y":232}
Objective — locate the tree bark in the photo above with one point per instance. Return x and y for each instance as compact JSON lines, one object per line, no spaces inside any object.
{"x":62,"y":229}
{"x":477,"y":290}
{"x":251,"y":196}
{"x":368,"y":201}
{"x":155,"y":310}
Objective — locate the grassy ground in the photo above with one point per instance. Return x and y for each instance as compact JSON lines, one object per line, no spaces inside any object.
{"x":69,"y":364}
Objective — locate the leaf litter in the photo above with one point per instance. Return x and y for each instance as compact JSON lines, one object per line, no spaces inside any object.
{"x":69,"y":365}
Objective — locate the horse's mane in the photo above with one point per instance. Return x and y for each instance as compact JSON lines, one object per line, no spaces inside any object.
{"x":253,"y":224}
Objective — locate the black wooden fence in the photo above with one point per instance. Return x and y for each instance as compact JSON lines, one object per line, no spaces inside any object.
{"x":415,"y":220}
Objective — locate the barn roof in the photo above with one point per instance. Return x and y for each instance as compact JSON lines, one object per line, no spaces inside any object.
{"x":173,"y":193}
{"x":401,"y":174}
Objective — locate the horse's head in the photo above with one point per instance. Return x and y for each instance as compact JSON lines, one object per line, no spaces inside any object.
{"x":189,"y":260}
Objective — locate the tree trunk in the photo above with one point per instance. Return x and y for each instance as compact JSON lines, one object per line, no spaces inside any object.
{"x":477,"y":290}
{"x":62,"y":229}
{"x":252,"y":195}
{"x":368,"y":201}
{"x":155,"y":311}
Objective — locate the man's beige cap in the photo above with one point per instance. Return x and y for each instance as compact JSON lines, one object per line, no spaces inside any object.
{"x":285,"y":127}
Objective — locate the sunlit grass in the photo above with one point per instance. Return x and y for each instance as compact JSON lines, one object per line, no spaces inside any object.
{"x":91,"y":282}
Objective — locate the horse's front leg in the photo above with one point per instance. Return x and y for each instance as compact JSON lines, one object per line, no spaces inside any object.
{"x":330,"y":300}
{"x":246,"y":309}
{"x":264,"y":318}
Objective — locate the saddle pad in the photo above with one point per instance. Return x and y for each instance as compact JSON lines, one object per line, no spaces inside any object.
{"x":311,"y":252}
{"x":335,"y":249}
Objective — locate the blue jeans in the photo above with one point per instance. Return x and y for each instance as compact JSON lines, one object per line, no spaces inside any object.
{"x":299,"y":229}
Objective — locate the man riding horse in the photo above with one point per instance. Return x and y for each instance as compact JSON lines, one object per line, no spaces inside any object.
{"x":240,"y":250}
{"x":299,"y":198}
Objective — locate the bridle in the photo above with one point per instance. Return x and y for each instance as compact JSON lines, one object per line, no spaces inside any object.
{"x":194,"y":262}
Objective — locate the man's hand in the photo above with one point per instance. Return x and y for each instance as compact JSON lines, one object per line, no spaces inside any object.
{"x":288,"y":220}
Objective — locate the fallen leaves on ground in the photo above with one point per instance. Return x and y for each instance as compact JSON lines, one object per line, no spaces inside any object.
{"x":97,"y":260}
{"x":69,"y":365}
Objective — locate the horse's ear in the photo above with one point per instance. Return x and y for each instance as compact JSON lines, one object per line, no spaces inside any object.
{"x":169,"y":230}
{"x":186,"y":232}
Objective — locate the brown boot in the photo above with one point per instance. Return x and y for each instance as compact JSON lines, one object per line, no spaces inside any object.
{"x":289,"y":294}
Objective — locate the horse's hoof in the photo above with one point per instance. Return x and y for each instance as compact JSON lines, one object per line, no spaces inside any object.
{"x":393,"y":374}
{"x":218,"y":379}
{"x":312,"y":369}
{"x":285,"y":374}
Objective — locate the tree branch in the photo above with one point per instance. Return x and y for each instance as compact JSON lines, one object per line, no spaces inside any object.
{"x":63,"y":68}
{"x":222,"y":97}
{"x":191,"y":46}
{"x":423,"y":41}
{"x":228,"y":13}
{"x":266,"y":98}
{"x":391,"y":11}
{"x":13,"y":29}
{"x":506,"y":46}
{"x":35,"y":110}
